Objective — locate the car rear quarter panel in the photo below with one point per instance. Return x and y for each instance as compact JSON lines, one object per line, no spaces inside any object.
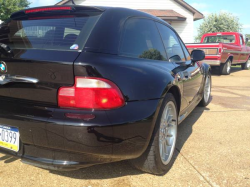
{"x":143,"y":84}
{"x":138,"y":79}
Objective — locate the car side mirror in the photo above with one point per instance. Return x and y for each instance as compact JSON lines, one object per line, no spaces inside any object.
{"x":247,"y":39}
{"x":197,"y":55}
{"x":175,"y":58}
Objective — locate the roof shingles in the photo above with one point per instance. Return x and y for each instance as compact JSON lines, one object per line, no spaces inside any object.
{"x":163,"y":13}
{"x":197,"y":14}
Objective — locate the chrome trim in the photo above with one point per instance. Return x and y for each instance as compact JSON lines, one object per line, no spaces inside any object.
{"x":202,"y":43}
{"x":240,"y":52}
{"x":212,"y":62}
{"x":25,"y":79}
{"x":213,"y":55}
{"x":5,"y":79}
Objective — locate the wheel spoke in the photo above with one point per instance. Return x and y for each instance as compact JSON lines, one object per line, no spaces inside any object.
{"x":169,"y":119}
{"x":169,"y":135}
{"x":161,"y":147}
{"x":168,"y":149}
{"x":167,"y":114}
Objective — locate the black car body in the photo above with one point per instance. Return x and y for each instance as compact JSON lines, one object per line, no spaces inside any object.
{"x":101,"y":43}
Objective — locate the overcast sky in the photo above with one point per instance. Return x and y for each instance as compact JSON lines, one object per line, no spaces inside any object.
{"x":239,"y":8}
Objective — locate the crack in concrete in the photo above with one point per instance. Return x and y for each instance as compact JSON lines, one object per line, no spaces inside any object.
{"x":220,"y":111}
{"x":207,"y":180}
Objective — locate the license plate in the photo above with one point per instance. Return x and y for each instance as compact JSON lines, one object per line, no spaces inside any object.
{"x":9,"y":138}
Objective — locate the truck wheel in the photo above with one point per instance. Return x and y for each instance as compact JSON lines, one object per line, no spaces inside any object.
{"x":157,"y":159}
{"x":225,"y":69}
{"x":207,"y":91}
{"x":246,"y":65}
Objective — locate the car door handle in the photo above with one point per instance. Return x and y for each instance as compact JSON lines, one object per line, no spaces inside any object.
{"x":4,"y":79}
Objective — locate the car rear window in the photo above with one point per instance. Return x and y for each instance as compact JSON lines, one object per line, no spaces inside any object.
{"x":67,"y":33}
{"x":220,"y":39}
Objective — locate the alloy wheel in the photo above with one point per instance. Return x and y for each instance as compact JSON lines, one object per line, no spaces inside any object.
{"x":228,"y":67}
{"x":168,"y":132}
{"x":207,"y":89}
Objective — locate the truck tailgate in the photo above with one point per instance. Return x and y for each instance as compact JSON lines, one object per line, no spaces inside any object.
{"x":209,"y":49}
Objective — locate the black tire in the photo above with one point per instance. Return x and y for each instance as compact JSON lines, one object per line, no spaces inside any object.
{"x":205,"y":101}
{"x":150,"y":161}
{"x":225,"y":69}
{"x":246,"y":65}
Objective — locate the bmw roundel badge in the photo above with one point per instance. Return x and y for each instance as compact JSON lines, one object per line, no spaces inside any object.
{"x":3,"y":67}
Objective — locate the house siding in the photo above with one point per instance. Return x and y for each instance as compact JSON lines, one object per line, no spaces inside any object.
{"x":184,"y":28}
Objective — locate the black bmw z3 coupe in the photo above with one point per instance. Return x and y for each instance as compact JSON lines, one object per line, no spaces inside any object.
{"x":82,"y":85}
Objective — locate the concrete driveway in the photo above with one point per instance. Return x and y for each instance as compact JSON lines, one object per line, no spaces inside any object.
{"x":213,"y":149}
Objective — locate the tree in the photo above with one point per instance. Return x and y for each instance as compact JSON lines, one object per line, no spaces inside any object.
{"x":248,"y":36}
{"x":222,"y":22}
{"x":152,"y":54}
{"x":7,"y":7}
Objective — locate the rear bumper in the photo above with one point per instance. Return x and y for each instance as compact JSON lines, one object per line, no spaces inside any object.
{"x":212,"y":62}
{"x":53,"y":141}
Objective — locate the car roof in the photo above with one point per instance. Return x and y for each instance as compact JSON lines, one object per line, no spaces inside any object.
{"x":116,"y":10}
{"x":105,"y":36}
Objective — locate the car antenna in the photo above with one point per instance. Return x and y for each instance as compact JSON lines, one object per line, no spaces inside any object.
{"x":73,"y":2}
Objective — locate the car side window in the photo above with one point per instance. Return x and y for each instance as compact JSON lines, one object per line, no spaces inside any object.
{"x":241,"y":40}
{"x":171,"y":43}
{"x":186,"y":52}
{"x":141,"y":39}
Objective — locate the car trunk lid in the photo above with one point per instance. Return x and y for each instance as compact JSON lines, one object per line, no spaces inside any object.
{"x":44,"y":46}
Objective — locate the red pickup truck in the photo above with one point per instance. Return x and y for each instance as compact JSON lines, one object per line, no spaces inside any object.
{"x":224,"y":49}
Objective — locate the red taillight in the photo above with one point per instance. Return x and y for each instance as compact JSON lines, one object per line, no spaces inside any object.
{"x":47,"y":9}
{"x":91,"y":93}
